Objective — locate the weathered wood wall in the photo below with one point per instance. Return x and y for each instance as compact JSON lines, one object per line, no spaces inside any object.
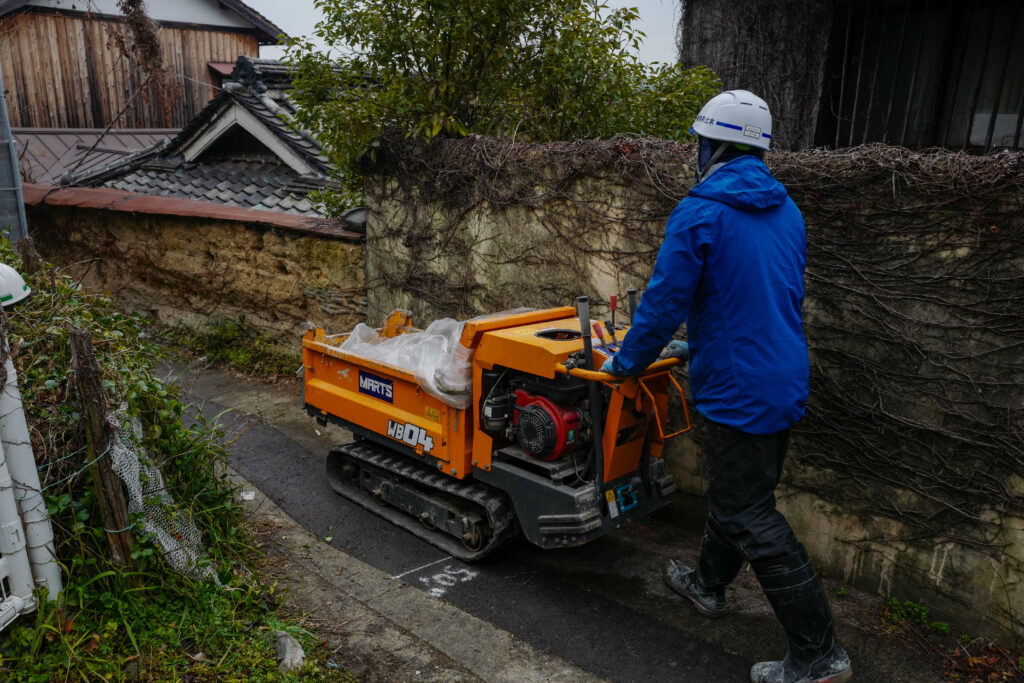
{"x":63,"y":71}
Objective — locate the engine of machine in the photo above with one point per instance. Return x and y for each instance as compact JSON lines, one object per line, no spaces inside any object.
{"x":543,"y":428}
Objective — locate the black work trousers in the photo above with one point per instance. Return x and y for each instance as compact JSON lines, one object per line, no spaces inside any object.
{"x":743,"y":471}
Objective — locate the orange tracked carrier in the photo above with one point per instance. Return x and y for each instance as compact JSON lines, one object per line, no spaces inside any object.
{"x":547,"y":447}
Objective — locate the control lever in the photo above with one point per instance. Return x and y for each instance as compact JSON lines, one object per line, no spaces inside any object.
{"x":599,"y":331}
{"x":611,"y":331}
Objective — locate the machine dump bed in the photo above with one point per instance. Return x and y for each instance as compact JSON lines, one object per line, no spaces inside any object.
{"x":374,"y":398}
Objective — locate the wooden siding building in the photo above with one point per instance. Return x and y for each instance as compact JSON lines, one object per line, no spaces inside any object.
{"x":62,"y":69}
{"x":839,"y":73}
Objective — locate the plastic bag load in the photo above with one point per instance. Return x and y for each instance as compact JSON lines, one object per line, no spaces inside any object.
{"x":435,"y":357}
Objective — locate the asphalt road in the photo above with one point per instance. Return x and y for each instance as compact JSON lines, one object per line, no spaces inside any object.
{"x":602,"y":607}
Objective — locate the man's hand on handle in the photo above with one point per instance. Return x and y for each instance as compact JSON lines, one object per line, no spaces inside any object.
{"x":674,"y":349}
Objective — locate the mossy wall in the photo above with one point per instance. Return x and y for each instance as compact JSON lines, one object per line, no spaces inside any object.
{"x":190,"y":270}
{"x":906,"y":477}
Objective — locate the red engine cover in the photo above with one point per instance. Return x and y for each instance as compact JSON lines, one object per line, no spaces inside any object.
{"x":554,"y":429}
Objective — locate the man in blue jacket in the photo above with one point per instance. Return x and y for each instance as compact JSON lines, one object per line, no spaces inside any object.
{"x":732,"y":267}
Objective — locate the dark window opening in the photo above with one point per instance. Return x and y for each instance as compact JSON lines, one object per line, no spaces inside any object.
{"x":923,"y":73}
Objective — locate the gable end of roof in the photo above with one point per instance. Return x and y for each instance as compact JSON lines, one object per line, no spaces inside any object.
{"x":271,"y":30}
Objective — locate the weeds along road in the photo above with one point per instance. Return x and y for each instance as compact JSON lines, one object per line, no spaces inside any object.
{"x":602,"y":607}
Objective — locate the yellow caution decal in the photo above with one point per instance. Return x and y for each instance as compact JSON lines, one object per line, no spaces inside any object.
{"x":613,"y":508}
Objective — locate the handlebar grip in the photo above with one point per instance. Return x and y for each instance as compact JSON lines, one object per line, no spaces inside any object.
{"x":599,"y":376}
{"x":583,"y":309}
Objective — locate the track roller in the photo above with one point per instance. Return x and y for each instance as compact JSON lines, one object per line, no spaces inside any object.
{"x":464,"y":518}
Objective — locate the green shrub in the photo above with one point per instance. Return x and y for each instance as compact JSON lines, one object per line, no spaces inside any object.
{"x":149,"y":621}
{"x":537,"y":70}
{"x":234,"y":343}
{"x":909,"y":612}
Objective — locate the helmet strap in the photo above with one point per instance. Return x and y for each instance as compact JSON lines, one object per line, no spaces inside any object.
{"x":708,"y":168}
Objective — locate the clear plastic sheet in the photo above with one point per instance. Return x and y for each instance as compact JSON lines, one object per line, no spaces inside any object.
{"x":440,"y":363}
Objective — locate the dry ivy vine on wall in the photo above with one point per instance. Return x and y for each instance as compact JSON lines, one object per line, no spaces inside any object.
{"x":554,"y":220}
{"x":914,"y":288}
{"x":916,"y":324}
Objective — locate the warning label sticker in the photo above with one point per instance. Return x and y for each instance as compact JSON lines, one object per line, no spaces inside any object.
{"x":613,"y":506}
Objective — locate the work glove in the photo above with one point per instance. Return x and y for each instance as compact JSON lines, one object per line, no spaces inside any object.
{"x":675,"y":349}
{"x":611,"y":366}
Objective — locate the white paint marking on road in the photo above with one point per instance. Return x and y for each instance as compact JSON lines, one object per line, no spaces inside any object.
{"x":438,"y":584}
{"x":429,"y":564}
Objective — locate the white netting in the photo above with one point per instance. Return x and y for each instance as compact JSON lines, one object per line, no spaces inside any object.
{"x":172,"y":529}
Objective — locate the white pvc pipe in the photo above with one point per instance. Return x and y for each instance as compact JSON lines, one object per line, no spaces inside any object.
{"x":11,"y":608}
{"x":21,"y":464}
{"x":14,"y":565}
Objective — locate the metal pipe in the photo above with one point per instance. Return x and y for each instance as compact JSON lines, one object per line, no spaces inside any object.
{"x":21,"y":463}
{"x":594,"y":396}
{"x":18,"y":222}
{"x":583,"y":311}
{"x":598,"y":376}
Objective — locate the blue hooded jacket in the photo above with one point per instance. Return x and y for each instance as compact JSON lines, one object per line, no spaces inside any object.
{"x":731,"y":266}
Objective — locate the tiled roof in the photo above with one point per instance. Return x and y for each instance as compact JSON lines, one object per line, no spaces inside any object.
{"x":109,"y":199}
{"x":251,"y":178}
{"x":261,"y":86}
{"x":45,"y":154}
{"x":255,"y":184}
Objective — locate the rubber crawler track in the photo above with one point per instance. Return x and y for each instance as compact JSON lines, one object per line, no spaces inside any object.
{"x":490,"y":502}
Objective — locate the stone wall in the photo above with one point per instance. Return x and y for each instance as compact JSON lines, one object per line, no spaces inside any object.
{"x":188,"y":270}
{"x":523,"y":225}
{"x":906,"y":478}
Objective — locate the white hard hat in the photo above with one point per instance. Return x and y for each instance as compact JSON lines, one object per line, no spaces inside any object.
{"x":735,"y":116}
{"x":12,"y":286}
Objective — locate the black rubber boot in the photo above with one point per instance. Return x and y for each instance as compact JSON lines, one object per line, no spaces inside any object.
{"x":717,"y":566}
{"x":796,"y":595}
